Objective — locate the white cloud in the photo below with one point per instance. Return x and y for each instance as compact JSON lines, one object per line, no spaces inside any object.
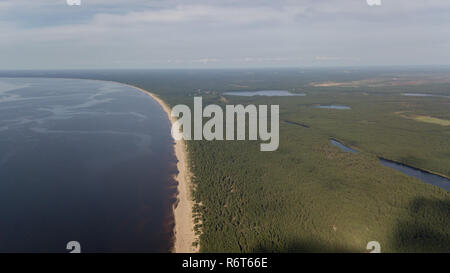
{"x":187,"y":13}
{"x":202,"y":32}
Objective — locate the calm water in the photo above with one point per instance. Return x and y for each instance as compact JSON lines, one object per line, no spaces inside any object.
{"x":268,"y":93}
{"x":338,"y":107}
{"x":342,"y":146}
{"x":424,"y":95}
{"x":83,"y":161}
{"x":426,"y":177}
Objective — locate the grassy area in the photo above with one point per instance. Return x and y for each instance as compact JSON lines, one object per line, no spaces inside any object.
{"x":310,"y":196}
{"x":429,"y":119}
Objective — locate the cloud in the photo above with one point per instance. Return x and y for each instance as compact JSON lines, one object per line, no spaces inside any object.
{"x":335,"y":59}
{"x":139,"y":33}
{"x":201,"y":13}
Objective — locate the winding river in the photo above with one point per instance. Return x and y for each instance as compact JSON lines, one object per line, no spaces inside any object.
{"x":425,"y":176}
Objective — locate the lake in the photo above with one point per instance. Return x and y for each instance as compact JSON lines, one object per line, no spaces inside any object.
{"x":337,"y":107}
{"x":267,"y":93}
{"x":85,"y":161}
{"x":423,"y":95}
{"x":341,"y":146}
{"x":425,"y":176}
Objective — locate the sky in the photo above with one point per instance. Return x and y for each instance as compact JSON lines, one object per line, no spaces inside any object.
{"x":118,"y":34}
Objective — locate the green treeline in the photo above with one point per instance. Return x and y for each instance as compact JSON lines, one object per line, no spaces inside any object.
{"x":308,"y":196}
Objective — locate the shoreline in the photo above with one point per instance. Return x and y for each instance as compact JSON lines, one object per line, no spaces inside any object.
{"x":184,"y":235}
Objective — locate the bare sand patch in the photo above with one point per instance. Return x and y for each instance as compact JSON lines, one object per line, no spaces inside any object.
{"x":184,"y":221}
{"x":424,"y":118}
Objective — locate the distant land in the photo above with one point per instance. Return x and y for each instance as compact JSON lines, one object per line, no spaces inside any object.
{"x":310,"y":196}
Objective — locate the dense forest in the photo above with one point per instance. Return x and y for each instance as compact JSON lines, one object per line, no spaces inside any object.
{"x":309,"y":196}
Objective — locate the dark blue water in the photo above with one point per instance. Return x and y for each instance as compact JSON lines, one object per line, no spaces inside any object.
{"x":84,"y":161}
{"x":342,"y":146}
{"x":426,"y":177}
{"x":337,"y":107}
{"x":424,"y":95}
{"x":267,"y":93}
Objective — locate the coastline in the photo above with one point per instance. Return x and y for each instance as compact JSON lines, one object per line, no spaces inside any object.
{"x":184,"y":235}
{"x":184,"y":222}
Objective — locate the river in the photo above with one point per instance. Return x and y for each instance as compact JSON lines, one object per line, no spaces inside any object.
{"x":425,"y":176}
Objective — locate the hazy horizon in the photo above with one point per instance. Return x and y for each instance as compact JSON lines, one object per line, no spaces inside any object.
{"x":245,"y":34}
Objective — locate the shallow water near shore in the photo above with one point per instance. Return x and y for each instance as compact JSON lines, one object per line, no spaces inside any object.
{"x":85,"y":161}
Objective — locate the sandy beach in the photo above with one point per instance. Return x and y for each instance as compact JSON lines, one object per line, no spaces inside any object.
{"x":184,"y":222}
